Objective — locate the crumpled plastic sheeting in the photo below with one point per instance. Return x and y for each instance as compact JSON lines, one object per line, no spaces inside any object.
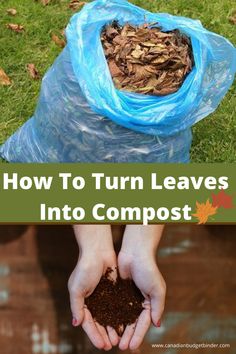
{"x":65,"y":129}
{"x":78,"y":93}
{"x":200,"y":94}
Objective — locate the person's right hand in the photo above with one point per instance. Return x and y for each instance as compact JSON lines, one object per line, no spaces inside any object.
{"x":96,"y":255}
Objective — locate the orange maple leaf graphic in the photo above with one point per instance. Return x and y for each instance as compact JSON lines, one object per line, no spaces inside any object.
{"x":203,"y":211}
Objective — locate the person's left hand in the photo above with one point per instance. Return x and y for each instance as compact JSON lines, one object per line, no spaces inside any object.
{"x":136,"y":261}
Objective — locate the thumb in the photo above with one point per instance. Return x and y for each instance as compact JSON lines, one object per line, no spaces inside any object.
{"x":124,"y":264}
{"x":76,"y":304}
{"x":157,"y":298}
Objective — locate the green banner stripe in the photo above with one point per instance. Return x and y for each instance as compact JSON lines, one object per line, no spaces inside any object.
{"x":118,"y":193}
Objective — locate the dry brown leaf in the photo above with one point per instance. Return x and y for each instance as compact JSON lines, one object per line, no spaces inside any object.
{"x":111,"y":32}
{"x":58,"y":41}
{"x":137,"y":52}
{"x":63,"y":32}
{"x":12,"y":12}
{"x":15,"y":27}
{"x":160,"y":59}
{"x":146,"y":60}
{"x":153,"y":82}
{"x":114,"y":69}
{"x":45,"y":2}
{"x":75,"y":4}
{"x":141,"y":72}
{"x":165,"y":91}
{"x":119,"y":40}
{"x":33,"y":72}
{"x":232,"y":19}
{"x":144,"y":89}
{"x":149,"y":44}
{"x":4,"y":79}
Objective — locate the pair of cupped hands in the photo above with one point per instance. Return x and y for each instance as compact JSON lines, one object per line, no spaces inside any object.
{"x":136,"y":260}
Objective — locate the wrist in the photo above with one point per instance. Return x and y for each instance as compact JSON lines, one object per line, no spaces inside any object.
{"x":94,"y":239}
{"x":141,"y":241}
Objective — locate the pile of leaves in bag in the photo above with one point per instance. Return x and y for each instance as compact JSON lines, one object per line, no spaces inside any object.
{"x":146,"y":60}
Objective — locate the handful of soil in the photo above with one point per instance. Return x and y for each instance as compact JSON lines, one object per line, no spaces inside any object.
{"x":145,"y":59}
{"x":115,"y":303}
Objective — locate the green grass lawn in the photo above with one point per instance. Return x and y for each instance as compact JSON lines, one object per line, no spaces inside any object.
{"x":214,"y":137}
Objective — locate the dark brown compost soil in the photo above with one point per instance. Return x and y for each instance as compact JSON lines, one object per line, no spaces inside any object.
{"x":145,"y":59}
{"x":115,"y":304}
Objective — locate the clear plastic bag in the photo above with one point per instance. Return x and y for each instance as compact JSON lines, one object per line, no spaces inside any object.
{"x":82,"y":117}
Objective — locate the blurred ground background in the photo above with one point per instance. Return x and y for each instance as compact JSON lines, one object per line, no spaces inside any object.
{"x":198,"y":264}
{"x":214,"y":137}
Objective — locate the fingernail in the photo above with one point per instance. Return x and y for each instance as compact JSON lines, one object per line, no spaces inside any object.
{"x":74,"y":322}
{"x":159,"y":323}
